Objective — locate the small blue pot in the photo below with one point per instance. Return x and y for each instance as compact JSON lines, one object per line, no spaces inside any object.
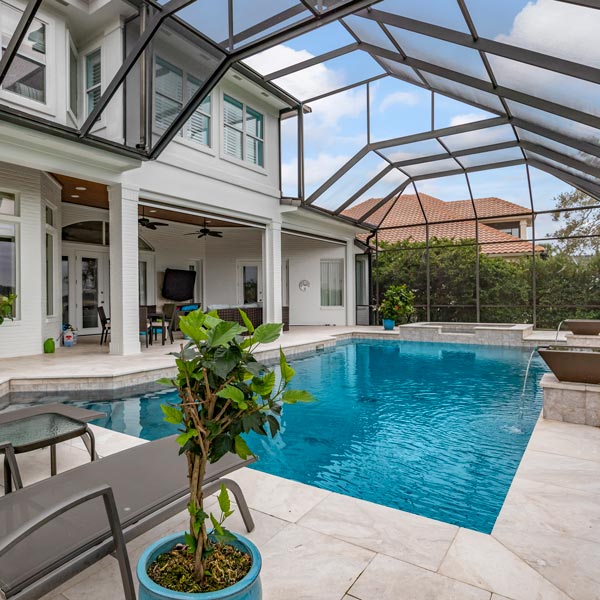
{"x":248,"y":588}
{"x":389,"y":324}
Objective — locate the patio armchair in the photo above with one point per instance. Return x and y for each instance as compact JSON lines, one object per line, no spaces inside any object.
{"x":105,"y":323}
{"x":53,"y":529}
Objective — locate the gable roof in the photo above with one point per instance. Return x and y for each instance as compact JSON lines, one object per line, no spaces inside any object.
{"x":403,"y":218}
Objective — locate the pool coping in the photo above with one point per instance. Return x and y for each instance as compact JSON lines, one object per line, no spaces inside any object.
{"x":18,"y":389}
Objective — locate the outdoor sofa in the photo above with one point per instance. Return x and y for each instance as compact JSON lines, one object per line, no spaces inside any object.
{"x":53,"y":529}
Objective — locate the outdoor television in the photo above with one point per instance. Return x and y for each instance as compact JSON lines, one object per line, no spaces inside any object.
{"x":178,"y":285}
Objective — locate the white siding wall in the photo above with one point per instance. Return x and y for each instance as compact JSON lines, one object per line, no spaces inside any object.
{"x":24,"y":336}
{"x":305,"y":257}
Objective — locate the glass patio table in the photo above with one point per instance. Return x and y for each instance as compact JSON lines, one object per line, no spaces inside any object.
{"x":35,"y":432}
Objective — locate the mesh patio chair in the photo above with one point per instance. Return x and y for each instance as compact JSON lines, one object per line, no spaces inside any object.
{"x":105,"y":322}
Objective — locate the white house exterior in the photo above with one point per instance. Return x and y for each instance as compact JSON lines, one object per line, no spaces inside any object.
{"x":224,"y":167}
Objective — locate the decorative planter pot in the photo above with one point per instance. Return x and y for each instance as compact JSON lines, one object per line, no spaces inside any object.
{"x":248,"y":588}
{"x":389,"y":324}
{"x":573,"y":363}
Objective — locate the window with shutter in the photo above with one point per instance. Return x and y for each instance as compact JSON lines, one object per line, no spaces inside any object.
{"x":93,"y":79}
{"x":332,"y":282}
{"x":168,"y":96}
{"x":243,"y":131}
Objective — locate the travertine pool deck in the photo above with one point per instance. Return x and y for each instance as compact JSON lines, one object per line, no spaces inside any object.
{"x":319,"y":545}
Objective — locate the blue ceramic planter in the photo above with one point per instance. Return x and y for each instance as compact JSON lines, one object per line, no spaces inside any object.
{"x":248,"y":588}
{"x":388,"y":324}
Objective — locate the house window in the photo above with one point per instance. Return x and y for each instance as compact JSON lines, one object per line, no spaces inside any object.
{"x":332,"y":282}
{"x":197,"y":128}
{"x":27,"y":74}
{"x":49,"y":274}
{"x":73,"y":82}
{"x":8,"y":243}
{"x":243,"y":132}
{"x":173,"y":87}
{"x":8,"y":204}
{"x":168,"y":93}
{"x":50,"y":260}
{"x":143,"y":282}
{"x":93,"y":79}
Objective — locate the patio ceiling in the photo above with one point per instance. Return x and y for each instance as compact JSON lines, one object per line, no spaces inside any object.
{"x":545,"y":96}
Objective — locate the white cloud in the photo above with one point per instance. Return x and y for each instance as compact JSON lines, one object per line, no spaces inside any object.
{"x":402,"y":98}
{"x":312,"y":82}
{"x":316,"y":170}
{"x":467,"y":118}
{"x":557,"y":28}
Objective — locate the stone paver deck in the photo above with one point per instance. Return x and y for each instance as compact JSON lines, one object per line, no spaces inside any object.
{"x":319,"y":545}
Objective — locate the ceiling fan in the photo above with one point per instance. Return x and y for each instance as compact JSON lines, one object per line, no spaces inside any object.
{"x":148,"y":224}
{"x":204,"y":231}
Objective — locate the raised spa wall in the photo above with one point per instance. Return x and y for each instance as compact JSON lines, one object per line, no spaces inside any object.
{"x":490,"y":334}
{"x":573,"y":402}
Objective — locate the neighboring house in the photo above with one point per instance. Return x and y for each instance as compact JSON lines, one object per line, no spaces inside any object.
{"x":502,"y":224}
{"x":70,"y":241}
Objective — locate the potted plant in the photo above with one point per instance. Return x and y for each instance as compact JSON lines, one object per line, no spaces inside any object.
{"x":396,"y":305}
{"x":7,"y":304}
{"x":224,"y":392}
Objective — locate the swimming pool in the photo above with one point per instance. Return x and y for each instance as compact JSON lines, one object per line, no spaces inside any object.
{"x":433,"y":429}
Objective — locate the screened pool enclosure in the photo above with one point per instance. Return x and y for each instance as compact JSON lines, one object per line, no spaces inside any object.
{"x":506,"y":87}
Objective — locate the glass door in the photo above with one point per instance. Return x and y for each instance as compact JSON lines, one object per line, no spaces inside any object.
{"x":250,"y":282}
{"x":92,"y":290}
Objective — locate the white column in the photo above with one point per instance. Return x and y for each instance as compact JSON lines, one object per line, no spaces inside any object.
{"x":124,"y":290}
{"x":273,"y":300}
{"x":350,"y":284}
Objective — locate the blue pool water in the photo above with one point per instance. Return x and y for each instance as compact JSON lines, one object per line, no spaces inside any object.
{"x":433,"y":429}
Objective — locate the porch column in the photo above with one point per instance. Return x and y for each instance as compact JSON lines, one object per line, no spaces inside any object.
{"x":124,"y":290}
{"x":273,"y":300}
{"x":350,"y":284}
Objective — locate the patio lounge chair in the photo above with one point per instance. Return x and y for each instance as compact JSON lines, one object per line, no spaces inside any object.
{"x":52,"y":530}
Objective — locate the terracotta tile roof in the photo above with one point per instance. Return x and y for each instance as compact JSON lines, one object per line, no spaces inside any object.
{"x":406,"y":213}
{"x":488,"y":207}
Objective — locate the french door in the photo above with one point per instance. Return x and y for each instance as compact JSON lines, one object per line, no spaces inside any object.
{"x":91,"y":290}
{"x":250,"y":285}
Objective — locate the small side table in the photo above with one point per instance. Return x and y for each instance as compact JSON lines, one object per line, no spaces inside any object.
{"x":38,"y":431}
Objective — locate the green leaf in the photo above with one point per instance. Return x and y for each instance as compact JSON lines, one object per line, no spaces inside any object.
{"x":293,"y":396}
{"x":172,"y":414}
{"x":192,"y":325}
{"x":273,"y":425}
{"x":247,"y":321}
{"x":263,"y":386}
{"x":241,"y":448}
{"x":216,"y":525}
{"x":190,"y":540}
{"x":223,"y":499}
{"x":286,"y":371}
{"x":267,"y":332}
{"x":166,"y":381}
{"x":221,"y":445}
{"x":224,"y":333}
{"x":186,"y":436}
{"x":225,"y":537}
{"x":233,"y":393}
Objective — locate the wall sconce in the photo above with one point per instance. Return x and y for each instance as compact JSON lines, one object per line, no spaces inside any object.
{"x":304,"y":285}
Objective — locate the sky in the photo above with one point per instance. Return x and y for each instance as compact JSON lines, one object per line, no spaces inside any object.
{"x":337,"y":126}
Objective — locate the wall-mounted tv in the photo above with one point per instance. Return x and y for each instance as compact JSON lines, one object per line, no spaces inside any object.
{"x":178,"y":285}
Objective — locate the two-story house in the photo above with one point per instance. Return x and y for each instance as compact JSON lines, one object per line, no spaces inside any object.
{"x":78,"y":223}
